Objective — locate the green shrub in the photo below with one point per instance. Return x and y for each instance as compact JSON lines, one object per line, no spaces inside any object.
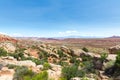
{"x":11,"y":66}
{"x":46,"y":66}
{"x":18,"y":56}
{"x":62,"y":63}
{"x":74,"y":61}
{"x":43,"y":54}
{"x":117,"y":62}
{"x":104,"y":56}
{"x":88,"y":67}
{"x":41,"y":76}
{"x":3,"y":52}
{"x":21,"y":72}
{"x":61,"y":54}
{"x":85,"y":49}
{"x":86,"y":58}
{"x":36,"y":61}
{"x":69,"y":72}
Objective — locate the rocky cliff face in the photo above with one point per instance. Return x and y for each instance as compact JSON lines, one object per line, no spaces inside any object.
{"x":4,"y":38}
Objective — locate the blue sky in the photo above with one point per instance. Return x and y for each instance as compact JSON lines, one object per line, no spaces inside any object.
{"x":56,"y":18}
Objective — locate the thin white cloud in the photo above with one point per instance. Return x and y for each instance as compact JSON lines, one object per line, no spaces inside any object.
{"x":16,"y":35}
{"x":69,"y":33}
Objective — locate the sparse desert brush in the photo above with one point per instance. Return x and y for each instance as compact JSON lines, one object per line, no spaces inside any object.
{"x":21,"y":72}
{"x":117,"y":62}
{"x":85,"y":49}
{"x":104,"y":56}
{"x":69,"y":72}
{"x":40,"y":76}
{"x":97,"y":50}
{"x":3,"y":52}
{"x":46,"y":66}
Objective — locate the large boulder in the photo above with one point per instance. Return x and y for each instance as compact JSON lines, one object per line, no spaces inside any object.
{"x":78,"y":52}
{"x":27,"y":63}
{"x":75,"y":78}
{"x":55,"y":67}
{"x":55,"y":72}
{"x":6,"y":74}
{"x":9,"y":47}
{"x":65,"y":49}
{"x":114,"y":49}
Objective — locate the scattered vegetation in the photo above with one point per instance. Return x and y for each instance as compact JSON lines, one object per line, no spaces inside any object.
{"x":3,"y":52}
{"x":46,"y":66}
{"x":11,"y":66}
{"x":104,"y":56}
{"x":21,"y":72}
{"x":117,"y":63}
{"x":61,"y":54}
{"x":40,"y":76}
{"x":85,"y":49}
{"x":69,"y":72}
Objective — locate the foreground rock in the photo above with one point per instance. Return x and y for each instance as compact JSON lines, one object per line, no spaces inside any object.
{"x":55,"y":72}
{"x":9,"y":47}
{"x":28,"y":63}
{"x":6,"y":74}
{"x":114,"y":49}
{"x":78,"y":52}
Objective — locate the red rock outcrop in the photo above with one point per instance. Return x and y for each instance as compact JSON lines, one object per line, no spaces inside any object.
{"x":4,"y":38}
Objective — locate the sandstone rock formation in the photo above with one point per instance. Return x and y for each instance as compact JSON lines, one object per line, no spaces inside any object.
{"x":4,"y":38}
{"x":114,"y":49}
{"x":8,"y":46}
{"x":6,"y":74}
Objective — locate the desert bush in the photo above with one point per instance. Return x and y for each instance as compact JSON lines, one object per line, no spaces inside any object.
{"x":21,"y":72}
{"x":104,"y":56}
{"x":61,"y":54}
{"x":117,"y":62}
{"x":12,"y":66}
{"x":74,"y":61}
{"x":43,"y":55}
{"x":46,"y":66}
{"x":85,"y":49}
{"x":88,"y":67}
{"x":18,"y":56}
{"x":69,"y":72}
{"x":40,"y":76}
{"x":86,"y":58}
{"x":3,"y":52}
{"x":36,"y":61}
{"x":62,"y":63}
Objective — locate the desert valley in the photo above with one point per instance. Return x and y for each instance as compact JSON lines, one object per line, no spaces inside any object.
{"x":31,"y":58}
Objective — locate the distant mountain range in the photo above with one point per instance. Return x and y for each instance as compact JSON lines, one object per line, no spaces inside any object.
{"x":65,"y":37}
{"x":114,"y":37}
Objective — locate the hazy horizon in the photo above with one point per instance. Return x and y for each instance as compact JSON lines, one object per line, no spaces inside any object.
{"x":59,"y":18}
